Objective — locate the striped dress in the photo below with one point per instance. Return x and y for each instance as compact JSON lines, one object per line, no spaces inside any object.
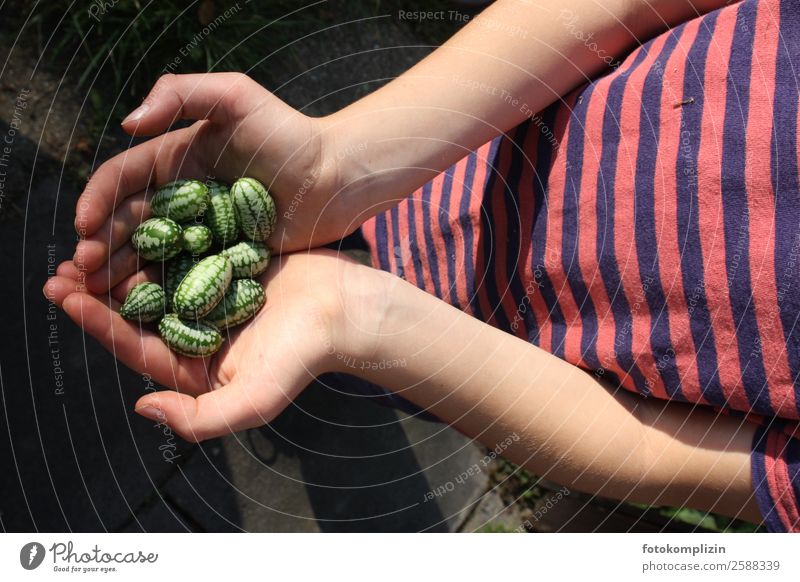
{"x":645,"y":228}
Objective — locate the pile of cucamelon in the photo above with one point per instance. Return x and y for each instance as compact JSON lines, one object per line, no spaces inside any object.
{"x":211,"y":240}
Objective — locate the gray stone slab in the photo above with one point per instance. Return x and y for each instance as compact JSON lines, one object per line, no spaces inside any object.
{"x":331,"y":462}
{"x":453,"y":465}
{"x":74,"y":455}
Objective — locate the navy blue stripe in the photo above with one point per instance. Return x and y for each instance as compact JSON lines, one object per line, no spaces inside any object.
{"x":466,"y":227}
{"x":432,"y":258}
{"x":786,"y":184}
{"x":416,"y":258}
{"x":466,"y":224}
{"x":766,"y":504}
{"x":792,"y":458}
{"x":447,"y":235}
{"x":645,"y":219}
{"x":513,"y":220}
{"x":606,"y":253}
{"x":736,"y":212}
{"x":571,"y":228}
{"x":396,"y":243}
{"x":488,"y":235}
{"x":381,"y":241}
{"x":688,"y":215}
{"x":541,"y":181}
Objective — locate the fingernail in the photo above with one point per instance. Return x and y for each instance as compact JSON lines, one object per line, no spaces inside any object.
{"x":151,"y":413}
{"x":137,"y":113}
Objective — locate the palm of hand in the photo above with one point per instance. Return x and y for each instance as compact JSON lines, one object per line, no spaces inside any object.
{"x":262,"y":366}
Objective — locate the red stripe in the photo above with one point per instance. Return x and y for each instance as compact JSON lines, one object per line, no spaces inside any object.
{"x":624,"y":230}
{"x":500,"y":215}
{"x":776,"y":443}
{"x":761,"y":201}
{"x":710,"y":210}
{"x":435,"y":210}
{"x":788,"y":500}
{"x":666,"y":215}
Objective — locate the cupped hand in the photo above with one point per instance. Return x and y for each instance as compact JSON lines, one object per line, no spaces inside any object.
{"x":318,"y":305}
{"x":240,"y":129}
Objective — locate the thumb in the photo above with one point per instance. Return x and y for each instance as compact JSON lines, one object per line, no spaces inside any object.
{"x":223,"y":411}
{"x":201,"y":96}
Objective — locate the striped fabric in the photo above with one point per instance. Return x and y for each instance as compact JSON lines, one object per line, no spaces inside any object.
{"x":646,"y":228}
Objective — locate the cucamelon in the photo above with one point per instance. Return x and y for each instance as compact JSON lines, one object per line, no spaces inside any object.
{"x":144,"y":303}
{"x":158,"y":239}
{"x":221,"y":216}
{"x":203,"y":287}
{"x":255,"y":209}
{"x":197,"y":238}
{"x":249,"y":258}
{"x":202,"y":297}
{"x":241,"y":302}
{"x":181,"y":200}
{"x":195,"y":339}
{"x":175,"y":271}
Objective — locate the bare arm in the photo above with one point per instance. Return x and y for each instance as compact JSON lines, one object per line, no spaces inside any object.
{"x":572,"y":428}
{"x":510,"y":62}
{"x":325,"y":314}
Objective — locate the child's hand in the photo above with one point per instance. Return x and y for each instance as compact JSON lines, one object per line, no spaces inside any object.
{"x":318,"y":306}
{"x":243,"y":130}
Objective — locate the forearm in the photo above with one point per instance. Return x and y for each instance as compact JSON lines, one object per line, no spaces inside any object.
{"x":509,"y":63}
{"x":491,"y":385}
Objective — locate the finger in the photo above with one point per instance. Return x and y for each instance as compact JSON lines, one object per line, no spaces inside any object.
{"x":151,"y":273}
{"x":69,"y":280}
{"x":122,"y":264}
{"x":91,"y":253}
{"x":137,"y":348}
{"x":232,"y":408}
{"x":58,"y":288}
{"x":154,"y":162}
{"x":214,"y":96}
{"x":69,"y":270}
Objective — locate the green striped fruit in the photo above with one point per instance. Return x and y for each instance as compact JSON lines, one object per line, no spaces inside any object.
{"x":195,"y":339}
{"x":144,"y":303}
{"x":158,"y":239}
{"x":176,"y":270}
{"x":255,"y":209}
{"x":241,"y":302}
{"x":203,"y":287}
{"x":221,"y":217}
{"x":249,"y":259}
{"x":197,"y":238}
{"x":181,"y":200}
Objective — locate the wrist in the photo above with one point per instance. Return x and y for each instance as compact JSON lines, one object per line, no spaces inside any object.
{"x":363,"y":300}
{"x":375,"y":160}
{"x":345,"y":165}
